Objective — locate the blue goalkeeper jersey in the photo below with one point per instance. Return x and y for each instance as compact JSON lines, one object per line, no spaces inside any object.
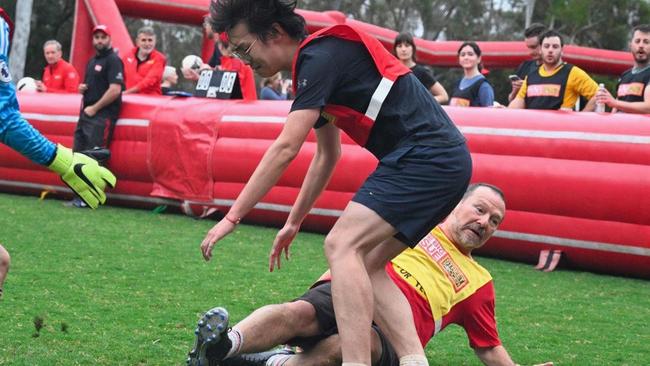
{"x":15,"y":131}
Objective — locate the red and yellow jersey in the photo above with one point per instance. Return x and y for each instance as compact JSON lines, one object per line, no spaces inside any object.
{"x":61,"y":77}
{"x":445,"y":286}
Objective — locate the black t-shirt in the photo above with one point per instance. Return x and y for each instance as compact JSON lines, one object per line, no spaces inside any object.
{"x":526,"y":68}
{"x":424,"y":75}
{"x":331,"y":70}
{"x":102,"y":70}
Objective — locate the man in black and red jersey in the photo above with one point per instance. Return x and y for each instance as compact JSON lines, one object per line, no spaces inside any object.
{"x":632,"y":94}
{"x":344,"y":79}
{"x":442,"y":282}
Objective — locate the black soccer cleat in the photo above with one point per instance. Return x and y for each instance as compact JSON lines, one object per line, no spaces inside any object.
{"x":212,"y":342}
{"x":254,"y":359}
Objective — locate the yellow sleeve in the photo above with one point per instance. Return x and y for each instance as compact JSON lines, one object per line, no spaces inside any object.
{"x":522,"y":92}
{"x":582,"y":83}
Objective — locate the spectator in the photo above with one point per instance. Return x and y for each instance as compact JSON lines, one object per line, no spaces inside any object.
{"x":5,"y":260}
{"x":556,"y":84}
{"x":633,"y":95}
{"x":169,"y":81}
{"x":274,"y":88}
{"x":102,"y":98}
{"x":215,"y":59}
{"x":473,"y":89}
{"x":59,"y":76}
{"x":223,"y":59}
{"x":144,"y":65}
{"x":531,"y":39}
{"x":404,"y":48}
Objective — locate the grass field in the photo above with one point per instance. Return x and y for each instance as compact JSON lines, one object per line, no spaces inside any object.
{"x":123,"y":286}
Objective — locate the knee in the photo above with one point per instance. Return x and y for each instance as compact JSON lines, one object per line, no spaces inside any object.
{"x":303,"y":316}
{"x":5,"y":259}
{"x":336,"y":248}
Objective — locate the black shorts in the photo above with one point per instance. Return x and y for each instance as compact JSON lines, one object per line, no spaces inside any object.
{"x":415,"y":187}
{"x":321,"y":298}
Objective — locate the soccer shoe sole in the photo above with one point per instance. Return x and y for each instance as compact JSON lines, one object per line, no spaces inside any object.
{"x":212,"y":326}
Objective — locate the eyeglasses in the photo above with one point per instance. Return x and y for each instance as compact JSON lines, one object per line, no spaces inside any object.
{"x":246,"y":54}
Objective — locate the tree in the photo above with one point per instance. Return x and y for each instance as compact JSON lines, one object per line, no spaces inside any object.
{"x":21,"y":38}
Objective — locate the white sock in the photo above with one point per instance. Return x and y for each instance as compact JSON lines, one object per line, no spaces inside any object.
{"x":237,"y":340}
{"x":277,"y":360}
{"x":413,"y":360}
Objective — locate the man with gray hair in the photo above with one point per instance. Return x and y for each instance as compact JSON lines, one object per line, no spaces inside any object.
{"x":59,"y":76}
{"x":144,"y":65}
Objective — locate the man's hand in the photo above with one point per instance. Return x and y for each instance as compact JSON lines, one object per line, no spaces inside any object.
{"x":82,"y":88}
{"x":218,"y":232}
{"x":40,"y":87}
{"x":605,"y":97}
{"x":83,"y":175}
{"x":281,"y":243}
{"x":90,"y":111}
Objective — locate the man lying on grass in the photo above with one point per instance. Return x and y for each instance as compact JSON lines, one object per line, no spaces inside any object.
{"x":439,"y":277}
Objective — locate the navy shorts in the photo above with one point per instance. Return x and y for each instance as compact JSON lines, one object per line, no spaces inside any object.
{"x":320,"y":297}
{"x":415,"y":187}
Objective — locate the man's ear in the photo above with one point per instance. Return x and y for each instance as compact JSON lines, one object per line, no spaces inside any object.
{"x":277,"y":32}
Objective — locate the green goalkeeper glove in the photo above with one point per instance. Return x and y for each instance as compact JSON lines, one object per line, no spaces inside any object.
{"x":83,"y":175}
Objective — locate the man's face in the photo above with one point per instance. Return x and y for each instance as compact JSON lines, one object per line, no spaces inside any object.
{"x":551,"y":51}
{"x":404,"y":51}
{"x":52,"y":54}
{"x":145,"y":43}
{"x":101,"y":41}
{"x":475,"y":218}
{"x":640,"y":46}
{"x":265,"y":58}
{"x":532,"y":44}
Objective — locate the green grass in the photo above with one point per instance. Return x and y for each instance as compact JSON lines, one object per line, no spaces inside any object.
{"x":123,"y":286}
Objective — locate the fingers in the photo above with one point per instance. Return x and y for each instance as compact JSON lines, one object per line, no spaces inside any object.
{"x":108,"y":177}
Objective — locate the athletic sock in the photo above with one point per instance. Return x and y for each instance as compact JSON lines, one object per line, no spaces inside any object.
{"x":277,"y":360}
{"x":413,"y":360}
{"x":237,"y":340}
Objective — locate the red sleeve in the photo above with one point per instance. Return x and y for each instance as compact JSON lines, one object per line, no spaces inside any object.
{"x":478,"y":318}
{"x":153,"y":78}
{"x":71,"y":79}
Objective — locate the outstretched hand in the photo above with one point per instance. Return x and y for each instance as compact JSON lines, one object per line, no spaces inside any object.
{"x":218,"y":232}
{"x":281,"y":243}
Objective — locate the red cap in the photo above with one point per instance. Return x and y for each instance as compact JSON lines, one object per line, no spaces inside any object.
{"x":101,"y":28}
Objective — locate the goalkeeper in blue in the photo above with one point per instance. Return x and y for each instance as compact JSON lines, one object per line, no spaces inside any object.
{"x":81,"y":173}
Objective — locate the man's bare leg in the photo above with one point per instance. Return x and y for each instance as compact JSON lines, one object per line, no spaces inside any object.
{"x":5,"y":260}
{"x":358,"y":232}
{"x":328,"y":353}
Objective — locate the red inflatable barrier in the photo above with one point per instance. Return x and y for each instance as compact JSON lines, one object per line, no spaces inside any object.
{"x":573,"y":181}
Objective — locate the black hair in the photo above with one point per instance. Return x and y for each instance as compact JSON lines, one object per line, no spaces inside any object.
{"x":477,"y":51}
{"x":534,"y":30}
{"x":473,"y":187}
{"x":259,"y":16}
{"x":405,"y":37}
{"x":643,"y":28}
{"x":549,"y":34}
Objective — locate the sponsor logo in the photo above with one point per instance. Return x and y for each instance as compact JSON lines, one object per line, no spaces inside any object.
{"x":5,"y":75}
{"x":119,"y":76}
{"x":543,"y":90}
{"x":57,"y":76}
{"x":98,"y":68}
{"x":633,"y":89}
{"x":302,"y":83}
{"x":454,"y":273}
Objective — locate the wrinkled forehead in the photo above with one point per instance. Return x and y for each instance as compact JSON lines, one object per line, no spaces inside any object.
{"x":488,"y":197}
{"x":640,"y":35}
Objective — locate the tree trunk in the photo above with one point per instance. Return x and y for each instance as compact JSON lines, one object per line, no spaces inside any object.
{"x":530,"y":6}
{"x":21,"y":39}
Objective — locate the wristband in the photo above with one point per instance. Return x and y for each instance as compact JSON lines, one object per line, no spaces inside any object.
{"x":234,"y":222}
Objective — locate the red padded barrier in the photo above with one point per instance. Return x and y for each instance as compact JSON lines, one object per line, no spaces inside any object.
{"x":573,"y":181}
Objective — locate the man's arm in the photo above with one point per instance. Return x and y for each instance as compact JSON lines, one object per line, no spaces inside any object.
{"x":627,"y":107}
{"x":320,"y":171}
{"x":273,"y":164}
{"x":519,"y":101}
{"x":494,"y":356}
{"x":112,"y":93}
{"x":71,"y":80}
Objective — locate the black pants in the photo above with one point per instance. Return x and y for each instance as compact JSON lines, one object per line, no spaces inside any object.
{"x":93,"y":132}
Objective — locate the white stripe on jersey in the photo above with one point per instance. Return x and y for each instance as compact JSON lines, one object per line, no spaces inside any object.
{"x":4,"y":38}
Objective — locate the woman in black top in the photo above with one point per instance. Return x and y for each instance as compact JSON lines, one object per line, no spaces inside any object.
{"x":404,"y":49}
